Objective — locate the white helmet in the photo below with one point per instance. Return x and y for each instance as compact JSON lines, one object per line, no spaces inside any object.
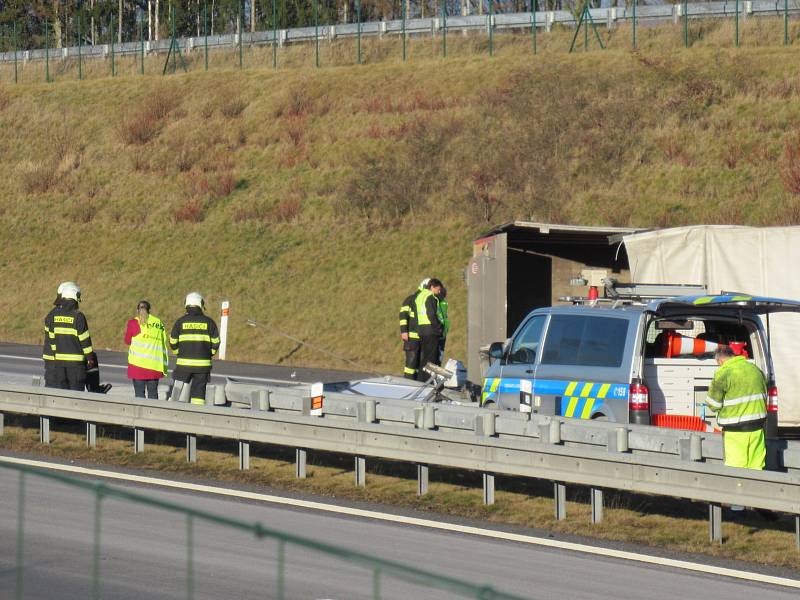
{"x":424,"y":283}
{"x":64,"y":284}
{"x":194,"y":299}
{"x":70,"y":291}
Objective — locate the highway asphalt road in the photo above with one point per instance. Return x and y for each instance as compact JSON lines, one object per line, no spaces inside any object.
{"x":143,"y":555}
{"x":20,"y":363}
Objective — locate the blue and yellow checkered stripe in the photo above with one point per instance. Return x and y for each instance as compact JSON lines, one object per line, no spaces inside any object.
{"x":580,"y":398}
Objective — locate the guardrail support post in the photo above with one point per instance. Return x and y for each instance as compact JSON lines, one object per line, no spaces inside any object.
{"x":797,"y":531}
{"x":365,"y":411}
{"x":597,"y":505}
{"x":44,"y":430}
{"x":91,"y":435}
{"x":560,"y":498}
{"x":138,"y":440}
{"x":361,"y":471}
{"x":422,"y":479}
{"x":191,"y":448}
{"x":715,"y":522}
{"x":618,"y":440}
{"x":488,"y":488}
{"x":244,"y":455}
{"x":36,"y":381}
{"x":2,"y":424}
{"x":300,"y":456}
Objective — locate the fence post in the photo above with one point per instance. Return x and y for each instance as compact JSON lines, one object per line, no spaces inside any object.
{"x":241,"y":35}
{"x":785,"y":22}
{"x":533,"y":24}
{"x":205,"y":33}
{"x":685,"y":23}
{"x":634,"y":23}
{"x":80,"y":50}
{"x":403,"y":2}
{"x":274,"y":34}
{"x":737,"y":23}
{"x":47,"y":51}
{"x":491,"y":27}
{"x":316,"y":34}
{"x":358,"y":30}
{"x":444,"y":29}
{"x":16,"y":75}
{"x":141,"y":48}
{"x":113,"y":61}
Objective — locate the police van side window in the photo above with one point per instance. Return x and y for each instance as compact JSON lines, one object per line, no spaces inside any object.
{"x":526,"y":344}
{"x":585,"y":340}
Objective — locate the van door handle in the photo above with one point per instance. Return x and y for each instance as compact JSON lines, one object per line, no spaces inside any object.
{"x":529,"y":370}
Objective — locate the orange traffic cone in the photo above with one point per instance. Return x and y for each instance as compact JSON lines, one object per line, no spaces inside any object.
{"x":675,"y":344}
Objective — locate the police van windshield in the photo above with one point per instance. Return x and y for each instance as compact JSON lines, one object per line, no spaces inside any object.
{"x":590,"y":341}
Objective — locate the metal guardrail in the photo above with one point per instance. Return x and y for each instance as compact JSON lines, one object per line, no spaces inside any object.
{"x":567,"y":451}
{"x":544,"y":20}
{"x":378,"y":567}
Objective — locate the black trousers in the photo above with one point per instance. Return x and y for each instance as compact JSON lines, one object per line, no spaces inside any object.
{"x":197,"y":384}
{"x":428,"y":352}
{"x":69,"y":378}
{"x":411,"y":350}
{"x":50,"y":374}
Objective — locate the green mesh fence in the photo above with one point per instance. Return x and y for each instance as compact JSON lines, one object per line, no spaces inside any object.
{"x":276,"y":582}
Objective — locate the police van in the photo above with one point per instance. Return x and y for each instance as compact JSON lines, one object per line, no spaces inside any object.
{"x":629,"y":359}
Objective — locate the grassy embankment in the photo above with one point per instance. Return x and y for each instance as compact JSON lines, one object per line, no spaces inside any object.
{"x":314,"y":200}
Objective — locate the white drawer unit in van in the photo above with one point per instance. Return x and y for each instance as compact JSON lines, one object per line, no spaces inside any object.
{"x":675,"y":384}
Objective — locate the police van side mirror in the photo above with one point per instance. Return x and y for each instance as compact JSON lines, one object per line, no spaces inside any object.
{"x":496,"y":350}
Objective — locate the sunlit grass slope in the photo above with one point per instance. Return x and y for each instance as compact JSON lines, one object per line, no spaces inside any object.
{"x":316,"y":199}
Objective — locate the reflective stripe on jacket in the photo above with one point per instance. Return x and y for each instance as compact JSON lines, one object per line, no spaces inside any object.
{"x":738,"y":393}
{"x":148,"y":350}
{"x":68,"y":333}
{"x":195,"y":339}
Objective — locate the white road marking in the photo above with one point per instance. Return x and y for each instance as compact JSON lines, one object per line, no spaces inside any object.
{"x":368,"y":514}
{"x":213,"y":374}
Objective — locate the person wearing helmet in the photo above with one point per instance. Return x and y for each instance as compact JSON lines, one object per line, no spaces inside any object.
{"x":194,"y":339}
{"x":47,"y":352}
{"x":70,"y":342}
{"x":408,"y":332}
{"x":147,"y":351}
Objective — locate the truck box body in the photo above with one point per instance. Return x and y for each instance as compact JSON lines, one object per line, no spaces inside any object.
{"x":760,"y":261}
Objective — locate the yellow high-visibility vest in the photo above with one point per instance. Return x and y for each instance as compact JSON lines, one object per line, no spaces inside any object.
{"x":148,"y":350}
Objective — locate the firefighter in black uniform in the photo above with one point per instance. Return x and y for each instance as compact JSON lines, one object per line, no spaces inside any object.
{"x":70,"y":342}
{"x":195,"y":339}
{"x":48,"y":356}
{"x":409,"y":333}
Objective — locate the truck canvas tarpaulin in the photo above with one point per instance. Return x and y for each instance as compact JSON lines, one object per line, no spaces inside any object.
{"x":753,"y":260}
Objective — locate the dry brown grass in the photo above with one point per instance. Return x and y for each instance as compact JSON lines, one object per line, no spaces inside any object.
{"x":143,"y":124}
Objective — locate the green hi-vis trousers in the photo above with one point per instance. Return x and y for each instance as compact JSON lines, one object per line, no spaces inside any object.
{"x":745,"y":449}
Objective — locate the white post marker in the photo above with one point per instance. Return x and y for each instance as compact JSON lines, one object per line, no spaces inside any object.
{"x":223,"y":330}
{"x":316,"y":399}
